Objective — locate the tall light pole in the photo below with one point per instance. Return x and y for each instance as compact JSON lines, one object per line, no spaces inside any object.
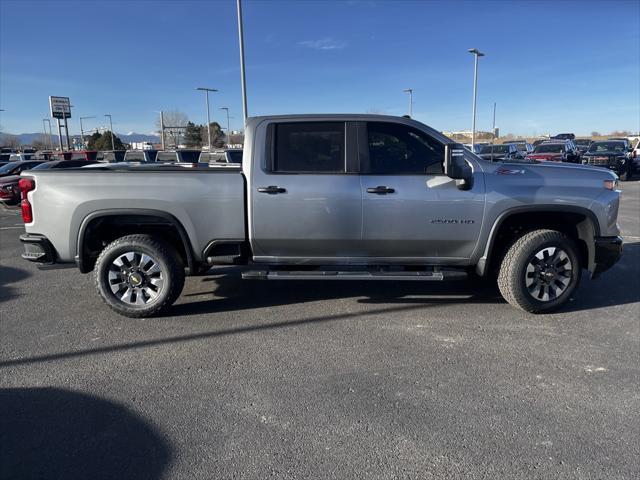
{"x":45,"y":132}
{"x":206,"y":96}
{"x":243,"y":76}
{"x":228,"y":130}
{"x":477,"y":54}
{"x":410,"y":92}
{"x":493,"y":132}
{"x":81,"y":129}
{"x":113,"y":143}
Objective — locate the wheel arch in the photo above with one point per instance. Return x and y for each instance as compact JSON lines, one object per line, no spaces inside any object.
{"x":145,"y":220}
{"x":579,"y":222}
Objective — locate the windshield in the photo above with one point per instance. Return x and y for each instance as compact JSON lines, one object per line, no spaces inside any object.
{"x":495,"y":149}
{"x":607,"y":147}
{"x":8,"y":167}
{"x":549,"y":148}
{"x":44,"y":166}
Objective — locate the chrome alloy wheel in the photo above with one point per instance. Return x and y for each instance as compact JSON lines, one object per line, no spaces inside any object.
{"x":548,"y":274}
{"x":135,"y":278}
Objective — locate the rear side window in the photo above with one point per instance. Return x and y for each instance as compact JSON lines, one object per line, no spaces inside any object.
{"x":396,"y":149}
{"x":309,"y":147}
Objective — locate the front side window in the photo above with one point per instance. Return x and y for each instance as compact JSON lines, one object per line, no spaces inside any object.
{"x":396,"y":149}
{"x":309,"y":147}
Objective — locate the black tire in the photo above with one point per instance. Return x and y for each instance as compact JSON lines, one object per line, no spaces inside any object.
{"x":163,"y":255}
{"x":513,"y":277}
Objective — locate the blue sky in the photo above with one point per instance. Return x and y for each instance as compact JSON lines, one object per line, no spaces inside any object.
{"x":550,"y":66}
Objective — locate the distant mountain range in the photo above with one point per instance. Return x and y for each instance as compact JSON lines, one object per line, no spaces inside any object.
{"x":29,"y":138}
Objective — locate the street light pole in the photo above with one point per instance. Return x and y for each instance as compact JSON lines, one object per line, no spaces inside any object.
{"x":243,"y":77}
{"x":50,"y":134}
{"x":476,"y":53}
{"x":113,"y":143}
{"x":494,"y":122}
{"x":81,"y":129}
{"x":206,"y":96}
{"x":228,"y":131}
{"x":410,"y":92}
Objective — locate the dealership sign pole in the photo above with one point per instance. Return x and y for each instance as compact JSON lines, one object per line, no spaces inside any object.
{"x":61,"y":109}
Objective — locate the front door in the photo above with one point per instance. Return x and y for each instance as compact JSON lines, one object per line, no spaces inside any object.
{"x":305,"y":201}
{"x":412,"y":212}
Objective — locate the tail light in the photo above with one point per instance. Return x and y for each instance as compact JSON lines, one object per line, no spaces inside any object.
{"x":26,"y":185}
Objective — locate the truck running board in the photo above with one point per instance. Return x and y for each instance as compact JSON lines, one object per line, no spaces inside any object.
{"x":340,"y":275}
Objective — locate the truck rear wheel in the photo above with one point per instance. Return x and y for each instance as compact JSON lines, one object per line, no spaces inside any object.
{"x":139,"y":276}
{"x":540,"y":271}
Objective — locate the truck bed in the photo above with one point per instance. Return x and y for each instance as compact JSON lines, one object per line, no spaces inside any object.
{"x":208,"y":202}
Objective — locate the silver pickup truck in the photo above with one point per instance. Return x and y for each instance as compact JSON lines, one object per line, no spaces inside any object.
{"x":331,"y":197}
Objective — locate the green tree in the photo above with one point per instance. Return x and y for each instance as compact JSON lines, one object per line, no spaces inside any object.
{"x":217,"y":135}
{"x":193,"y":135}
{"x":103,"y":142}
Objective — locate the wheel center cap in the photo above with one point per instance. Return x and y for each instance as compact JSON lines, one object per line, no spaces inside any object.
{"x":135,"y":279}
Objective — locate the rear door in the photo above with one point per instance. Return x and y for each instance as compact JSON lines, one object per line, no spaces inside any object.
{"x":305,"y":200}
{"x":412,"y":212}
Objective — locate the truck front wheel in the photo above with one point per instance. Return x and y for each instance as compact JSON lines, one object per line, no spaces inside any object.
{"x":540,"y":271}
{"x":139,"y":275}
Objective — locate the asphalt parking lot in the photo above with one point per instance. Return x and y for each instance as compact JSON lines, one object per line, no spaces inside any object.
{"x":319,"y":380}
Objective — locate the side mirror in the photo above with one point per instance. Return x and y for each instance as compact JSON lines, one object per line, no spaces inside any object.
{"x":456,"y":167}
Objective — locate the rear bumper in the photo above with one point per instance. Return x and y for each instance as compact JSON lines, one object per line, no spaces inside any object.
{"x":37,"y":248}
{"x":608,"y":251}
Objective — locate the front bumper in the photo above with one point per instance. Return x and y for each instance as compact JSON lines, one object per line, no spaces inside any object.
{"x":37,"y":248}
{"x":608,"y":251}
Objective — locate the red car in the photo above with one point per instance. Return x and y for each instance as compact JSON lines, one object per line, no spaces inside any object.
{"x":9,"y":191}
{"x":555,"y":151}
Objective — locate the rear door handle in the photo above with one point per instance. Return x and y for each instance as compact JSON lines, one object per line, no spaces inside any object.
{"x":272,"y":190}
{"x":380,"y":190}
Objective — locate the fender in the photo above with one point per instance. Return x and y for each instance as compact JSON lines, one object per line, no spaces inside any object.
{"x":585,"y":232}
{"x":166,"y":217}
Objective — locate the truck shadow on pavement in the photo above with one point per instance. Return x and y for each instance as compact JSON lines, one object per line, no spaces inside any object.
{"x":617,"y":286}
{"x":8,"y":276}
{"x":57,"y":433}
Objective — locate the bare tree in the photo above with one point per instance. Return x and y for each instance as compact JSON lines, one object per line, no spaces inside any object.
{"x":596,"y":134}
{"x":174,"y":125}
{"x":9,"y":141}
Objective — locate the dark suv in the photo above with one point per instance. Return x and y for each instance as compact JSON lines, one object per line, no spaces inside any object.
{"x":611,"y":154}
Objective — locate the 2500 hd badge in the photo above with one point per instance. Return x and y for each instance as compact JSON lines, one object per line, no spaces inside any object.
{"x":452,"y":221}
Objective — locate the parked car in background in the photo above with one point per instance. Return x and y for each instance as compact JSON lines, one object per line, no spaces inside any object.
{"x":564,"y":136}
{"x":505,"y":152}
{"x":477,"y":147}
{"x":5,"y":154}
{"x":556,"y":151}
{"x":9,"y":189}
{"x":113,"y":156}
{"x":523,"y":146}
{"x":635,"y":155}
{"x":582,"y":144}
{"x":142,"y":156}
{"x":539,"y":141}
{"x":15,"y":168}
{"x":58,"y":164}
{"x":611,"y":154}
{"x":20,"y":157}
{"x":230,"y":155}
{"x":182,"y":156}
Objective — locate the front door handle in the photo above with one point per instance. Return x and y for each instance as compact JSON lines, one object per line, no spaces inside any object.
{"x":272,"y":190}
{"x":380,"y":190}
